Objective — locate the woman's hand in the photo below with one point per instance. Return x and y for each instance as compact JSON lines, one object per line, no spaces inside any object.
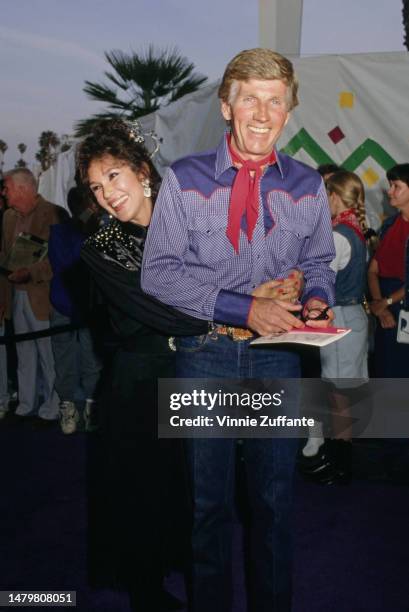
{"x":288,"y":289}
{"x":386,"y":319}
{"x":377,"y":307}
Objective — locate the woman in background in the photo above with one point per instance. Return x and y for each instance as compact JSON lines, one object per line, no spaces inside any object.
{"x":388,"y":279}
{"x":344,"y":364}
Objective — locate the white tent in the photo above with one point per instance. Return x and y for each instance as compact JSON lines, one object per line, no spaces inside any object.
{"x":352,"y":111}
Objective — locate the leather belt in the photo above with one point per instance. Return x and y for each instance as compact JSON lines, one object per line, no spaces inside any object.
{"x":234,"y":333}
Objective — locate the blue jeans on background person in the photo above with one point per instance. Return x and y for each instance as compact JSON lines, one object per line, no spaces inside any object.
{"x":76,"y":362}
{"x":269,"y":465}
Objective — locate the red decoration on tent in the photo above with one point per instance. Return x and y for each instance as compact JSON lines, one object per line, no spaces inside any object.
{"x":336,"y":134}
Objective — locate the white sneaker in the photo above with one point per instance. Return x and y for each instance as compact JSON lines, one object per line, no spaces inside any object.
{"x":3,"y":410}
{"x":69,"y":417}
{"x":91,"y":415}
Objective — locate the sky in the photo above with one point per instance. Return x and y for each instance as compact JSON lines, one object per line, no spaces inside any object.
{"x":48,"y":48}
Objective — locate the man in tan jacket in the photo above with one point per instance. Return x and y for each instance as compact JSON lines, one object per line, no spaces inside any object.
{"x":24,"y":294}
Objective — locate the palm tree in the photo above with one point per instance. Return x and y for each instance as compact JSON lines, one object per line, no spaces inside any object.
{"x":47,"y":153}
{"x":140,"y":83}
{"x":3,"y":149}
{"x":405,"y":15}
{"x":22,"y":149}
{"x":66,"y":143}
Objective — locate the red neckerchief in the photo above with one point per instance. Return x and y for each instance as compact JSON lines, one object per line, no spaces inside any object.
{"x":244,"y":195}
{"x":348,"y":217}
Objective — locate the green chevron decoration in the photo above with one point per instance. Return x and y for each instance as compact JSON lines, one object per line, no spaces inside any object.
{"x":302,"y":140}
{"x":369,"y":148}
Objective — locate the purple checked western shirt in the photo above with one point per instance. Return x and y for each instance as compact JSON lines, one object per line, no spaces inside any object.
{"x":189,"y":262}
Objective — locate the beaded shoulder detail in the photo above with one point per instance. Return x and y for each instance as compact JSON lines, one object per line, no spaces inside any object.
{"x":120,"y":243}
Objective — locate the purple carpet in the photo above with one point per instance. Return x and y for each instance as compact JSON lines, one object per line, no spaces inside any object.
{"x":352,"y":542}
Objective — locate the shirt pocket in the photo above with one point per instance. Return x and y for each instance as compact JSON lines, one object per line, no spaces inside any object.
{"x":208,"y":240}
{"x":292,"y":239}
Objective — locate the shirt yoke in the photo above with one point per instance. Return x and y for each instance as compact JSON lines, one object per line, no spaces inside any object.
{"x":197,"y":173}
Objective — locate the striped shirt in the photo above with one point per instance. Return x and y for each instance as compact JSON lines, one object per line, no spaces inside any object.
{"x":190,"y":264}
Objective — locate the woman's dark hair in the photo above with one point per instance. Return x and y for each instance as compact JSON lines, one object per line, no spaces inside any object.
{"x":324,"y":169}
{"x":400,"y":172}
{"x":115,"y":137}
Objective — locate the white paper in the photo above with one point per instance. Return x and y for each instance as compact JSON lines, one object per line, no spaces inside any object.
{"x":305,"y":335}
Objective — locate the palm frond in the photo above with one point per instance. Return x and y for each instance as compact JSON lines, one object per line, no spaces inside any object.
{"x":405,"y":21}
{"x":117,"y":81}
{"x":186,"y":88}
{"x":147,"y":79}
{"x":100,"y":92}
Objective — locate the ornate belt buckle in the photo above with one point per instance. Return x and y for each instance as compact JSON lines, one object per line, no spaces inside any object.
{"x":231,"y":333}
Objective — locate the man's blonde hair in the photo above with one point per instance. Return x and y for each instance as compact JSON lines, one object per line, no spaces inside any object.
{"x":263,"y":64}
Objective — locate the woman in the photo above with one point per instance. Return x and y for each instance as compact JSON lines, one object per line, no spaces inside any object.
{"x":347,"y":359}
{"x":388,"y":279}
{"x":116,"y":167}
{"x":344,"y":363}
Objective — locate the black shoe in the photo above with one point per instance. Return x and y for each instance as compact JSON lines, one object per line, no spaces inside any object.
{"x":331,"y":465}
{"x":342,"y":452}
{"x":315,"y":464}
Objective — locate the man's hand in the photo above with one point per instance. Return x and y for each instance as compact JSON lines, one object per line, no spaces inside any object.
{"x":313,"y":309}
{"x":22,"y":275}
{"x":269,"y":316}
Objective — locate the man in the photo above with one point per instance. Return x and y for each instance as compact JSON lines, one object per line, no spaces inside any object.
{"x":76,"y":362}
{"x":225,"y":222}
{"x":24,"y":294}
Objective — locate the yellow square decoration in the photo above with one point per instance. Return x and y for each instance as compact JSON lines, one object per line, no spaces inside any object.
{"x":346,"y":99}
{"x":370,"y":177}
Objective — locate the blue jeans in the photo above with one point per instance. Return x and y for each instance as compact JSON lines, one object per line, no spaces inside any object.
{"x":269,"y":467}
{"x":75,"y":361}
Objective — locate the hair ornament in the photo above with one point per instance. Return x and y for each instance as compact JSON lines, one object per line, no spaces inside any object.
{"x":135,"y":133}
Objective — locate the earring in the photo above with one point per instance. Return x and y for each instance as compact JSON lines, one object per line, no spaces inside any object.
{"x":147,"y":191}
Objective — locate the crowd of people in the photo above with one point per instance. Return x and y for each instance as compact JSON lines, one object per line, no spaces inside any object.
{"x":177,"y":276}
